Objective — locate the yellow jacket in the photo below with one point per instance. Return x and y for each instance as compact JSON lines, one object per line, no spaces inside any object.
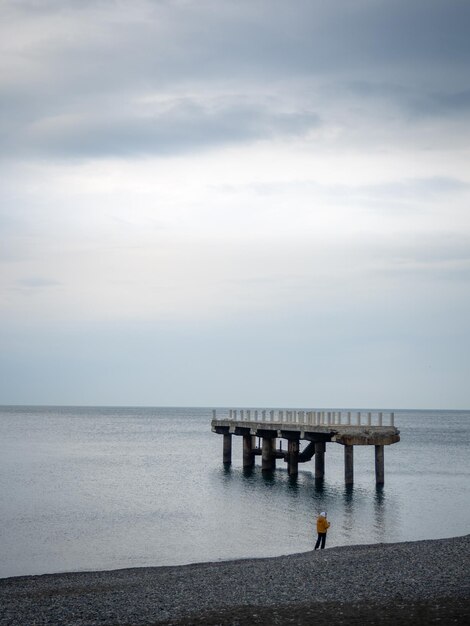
{"x":322,"y":524}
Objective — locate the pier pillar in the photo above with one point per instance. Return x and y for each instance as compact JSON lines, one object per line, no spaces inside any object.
{"x":320,"y":459}
{"x":293,"y":457}
{"x":379,"y":465}
{"x":268,"y":451}
{"x":227,"y":448}
{"x":273,"y":453}
{"x":349,"y":465}
{"x":248,"y":456}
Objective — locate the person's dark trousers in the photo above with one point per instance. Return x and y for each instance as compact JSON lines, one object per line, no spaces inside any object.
{"x":322,"y":539}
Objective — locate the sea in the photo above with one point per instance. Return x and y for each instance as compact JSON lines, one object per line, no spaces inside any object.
{"x":101,"y":488}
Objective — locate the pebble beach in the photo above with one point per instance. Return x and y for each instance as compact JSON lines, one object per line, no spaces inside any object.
{"x":418,"y":582}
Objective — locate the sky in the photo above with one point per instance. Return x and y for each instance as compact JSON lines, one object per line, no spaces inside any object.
{"x":235,"y":203}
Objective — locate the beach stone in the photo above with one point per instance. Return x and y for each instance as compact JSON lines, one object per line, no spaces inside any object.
{"x":414,"y":578}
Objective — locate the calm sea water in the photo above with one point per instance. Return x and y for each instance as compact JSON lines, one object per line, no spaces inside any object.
{"x":105,"y":488}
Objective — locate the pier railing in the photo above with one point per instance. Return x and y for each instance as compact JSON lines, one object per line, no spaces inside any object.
{"x":311,"y":417}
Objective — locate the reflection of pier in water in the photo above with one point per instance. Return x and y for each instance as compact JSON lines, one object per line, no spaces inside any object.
{"x":316,"y":427}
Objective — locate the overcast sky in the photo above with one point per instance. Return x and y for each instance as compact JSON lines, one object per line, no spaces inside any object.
{"x":244,"y":202}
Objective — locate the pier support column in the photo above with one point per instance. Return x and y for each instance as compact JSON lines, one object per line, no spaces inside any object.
{"x":293,"y":457}
{"x":379,"y":465}
{"x":320,"y":460}
{"x":248,"y":456}
{"x":268,"y":459}
{"x":227,"y":448}
{"x":273,"y":453}
{"x":349,"y":465}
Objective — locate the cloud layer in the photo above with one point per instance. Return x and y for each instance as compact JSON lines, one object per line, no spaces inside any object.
{"x":294,"y":174}
{"x":90,"y":79}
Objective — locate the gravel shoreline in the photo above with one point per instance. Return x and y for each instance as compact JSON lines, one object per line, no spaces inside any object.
{"x":413,"y":582}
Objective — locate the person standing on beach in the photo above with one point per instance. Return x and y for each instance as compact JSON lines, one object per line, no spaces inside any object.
{"x":322,"y":527}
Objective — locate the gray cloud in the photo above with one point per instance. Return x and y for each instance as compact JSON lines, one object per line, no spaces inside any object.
{"x":95,"y":60}
{"x":440,"y":104}
{"x":416,"y":100}
{"x":183,"y":125}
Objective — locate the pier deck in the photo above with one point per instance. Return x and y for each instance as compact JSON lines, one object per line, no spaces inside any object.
{"x":316,"y":427}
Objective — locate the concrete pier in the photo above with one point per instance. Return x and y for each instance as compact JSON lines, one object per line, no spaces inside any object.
{"x":349,"y":465}
{"x":227,"y":448}
{"x":293,"y":457}
{"x":379,"y":465}
{"x":248,"y":451}
{"x":268,"y":454}
{"x":316,"y":427}
{"x":320,"y":448}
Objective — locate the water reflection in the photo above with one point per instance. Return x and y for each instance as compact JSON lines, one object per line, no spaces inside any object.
{"x":248,"y":472}
{"x":317,"y":488}
{"x":348,"y":493}
{"x":348,"y":522}
{"x":380,"y":531}
{"x":268,"y":477}
{"x":293,"y":483}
